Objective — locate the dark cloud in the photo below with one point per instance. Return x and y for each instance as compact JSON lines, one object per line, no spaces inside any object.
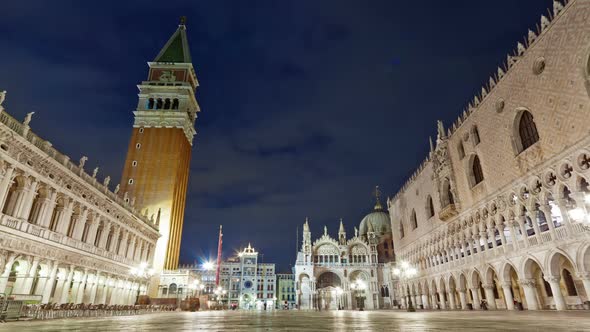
{"x":306,"y":104}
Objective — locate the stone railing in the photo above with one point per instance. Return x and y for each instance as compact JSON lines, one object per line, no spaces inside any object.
{"x":44,"y":233}
{"x":577,"y":230}
{"x":47,"y":148}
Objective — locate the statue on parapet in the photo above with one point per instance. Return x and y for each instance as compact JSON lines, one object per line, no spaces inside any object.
{"x":117,"y":188}
{"x":95,"y":172}
{"x":28,"y":118}
{"x":83,"y":161}
{"x":107,"y":180}
{"x":2,"y":97}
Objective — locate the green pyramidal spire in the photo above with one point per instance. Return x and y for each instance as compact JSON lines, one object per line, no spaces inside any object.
{"x":176,"y":49}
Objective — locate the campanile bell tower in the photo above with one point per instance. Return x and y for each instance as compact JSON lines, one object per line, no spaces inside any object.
{"x":157,"y":167}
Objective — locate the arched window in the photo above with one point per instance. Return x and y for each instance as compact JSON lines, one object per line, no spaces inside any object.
{"x":475,"y":135}
{"x":527,"y":131}
{"x":150,"y":103}
{"x":414,"y":220}
{"x":569,"y":283}
{"x":175,"y":104}
{"x":167,"y":104}
{"x":476,"y":171}
{"x":401,"y":229}
{"x":159,"y":103}
{"x":172,"y":289}
{"x":447,"y":194}
{"x":461,"y":150}
{"x":429,"y":207}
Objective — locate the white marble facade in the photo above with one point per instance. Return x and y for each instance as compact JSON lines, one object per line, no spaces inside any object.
{"x":64,"y":236}
{"x":327,"y":270}
{"x":498,"y":211}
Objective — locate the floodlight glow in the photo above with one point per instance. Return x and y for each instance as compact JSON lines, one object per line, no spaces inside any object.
{"x":208,"y":265}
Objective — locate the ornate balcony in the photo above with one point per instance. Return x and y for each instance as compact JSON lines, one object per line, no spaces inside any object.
{"x":448,"y":212}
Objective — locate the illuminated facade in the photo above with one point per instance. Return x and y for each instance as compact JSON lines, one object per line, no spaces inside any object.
{"x":329,"y":271}
{"x":498,"y":211}
{"x":65,"y":237}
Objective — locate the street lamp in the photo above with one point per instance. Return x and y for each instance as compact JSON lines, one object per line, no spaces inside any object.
{"x":141,"y":272}
{"x":405,"y":272}
{"x":358,"y":288}
{"x":208,"y":266}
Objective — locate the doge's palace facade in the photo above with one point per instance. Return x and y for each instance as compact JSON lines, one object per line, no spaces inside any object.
{"x":64,"y":236}
{"x":498,"y":210}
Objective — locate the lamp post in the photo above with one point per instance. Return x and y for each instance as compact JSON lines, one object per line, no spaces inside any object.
{"x":405,"y":272}
{"x":358,"y":287}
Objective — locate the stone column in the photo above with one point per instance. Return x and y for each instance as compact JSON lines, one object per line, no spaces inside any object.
{"x":443,"y":304}
{"x":530,"y":293}
{"x":556,"y":290}
{"x":463,"y":298}
{"x":30,"y":276}
{"x":49,"y":283}
{"x":80,"y":223}
{"x":130,"y":252}
{"x":451,"y":297}
{"x":500,"y":228}
{"x":507,"y":288}
{"x":81,"y":287}
{"x":532,"y":214}
{"x":433,"y":301}
{"x":105,"y":288}
{"x":490,"y":299}
{"x":475,"y":244}
{"x":546,"y":209}
{"x":92,"y":229}
{"x":562,"y":204}
{"x":65,"y":217}
{"x":5,"y":184}
{"x":425,"y":301}
{"x":16,"y":201}
{"x":31,"y":192}
{"x":492,"y":236}
{"x":521,"y":221}
{"x":105,"y":233}
{"x":66,"y":287}
{"x":6,"y":273}
{"x":137,"y":255}
{"x":484,"y":239}
{"x":123,"y":243}
{"x":46,"y":210}
{"x":115,"y":239}
{"x":94,"y":288}
{"x":586,"y":282}
{"x":475,"y":295}
{"x":513,"y":233}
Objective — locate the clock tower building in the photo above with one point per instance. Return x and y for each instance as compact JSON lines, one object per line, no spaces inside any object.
{"x":156,"y":171}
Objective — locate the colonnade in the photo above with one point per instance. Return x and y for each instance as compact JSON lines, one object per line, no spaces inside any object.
{"x":27,"y":199}
{"x":50,"y":281}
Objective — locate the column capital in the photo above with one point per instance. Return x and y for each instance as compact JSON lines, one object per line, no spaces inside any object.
{"x":527,"y":282}
{"x":506,"y":284}
{"x":461,"y":289}
{"x":584,"y":275}
{"x":551,"y":279}
{"x":487,"y":286}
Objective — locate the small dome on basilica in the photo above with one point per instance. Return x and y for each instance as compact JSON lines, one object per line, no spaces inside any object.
{"x":378,"y":220}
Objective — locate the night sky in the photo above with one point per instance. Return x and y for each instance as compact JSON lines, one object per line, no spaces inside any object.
{"x":306,"y":105}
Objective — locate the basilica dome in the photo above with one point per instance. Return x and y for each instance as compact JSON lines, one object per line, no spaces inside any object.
{"x":378,"y":220}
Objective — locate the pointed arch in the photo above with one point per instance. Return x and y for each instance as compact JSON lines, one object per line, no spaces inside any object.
{"x":429,"y":207}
